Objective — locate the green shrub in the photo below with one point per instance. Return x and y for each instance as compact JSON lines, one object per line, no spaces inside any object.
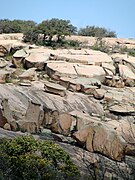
{"x":25,"y":158}
{"x":131,"y":52}
{"x":101,"y":45}
{"x":73,"y":43}
{"x":61,"y":44}
{"x":124,"y":50}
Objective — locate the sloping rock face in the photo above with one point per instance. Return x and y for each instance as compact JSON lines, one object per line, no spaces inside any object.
{"x":82,"y":97}
{"x":96,"y":166}
{"x":91,"y":165}
{"x":19,"y":96}
{"x":30,"y":108}
{"x":101,"y":139}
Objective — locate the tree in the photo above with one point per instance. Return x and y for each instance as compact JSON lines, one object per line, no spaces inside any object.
{"x":54,"y":27}
{"x":96,"y":32}
{"x":25,"y":25}
{"x":7,"y":26}
{"x":31,"y":35}
{"x":62,"y":28}
{"x":47,"y":30}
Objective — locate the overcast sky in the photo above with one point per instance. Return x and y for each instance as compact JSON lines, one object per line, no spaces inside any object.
{"x":117,"y":15}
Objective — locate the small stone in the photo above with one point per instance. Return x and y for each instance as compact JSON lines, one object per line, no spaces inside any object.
{"x":55,"y":89}
{"x":7,"y":127}
{"x":99,"y":93}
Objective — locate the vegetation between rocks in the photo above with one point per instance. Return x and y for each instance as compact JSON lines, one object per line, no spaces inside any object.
{"x":26,"y":158}
{"x":103,"y":46}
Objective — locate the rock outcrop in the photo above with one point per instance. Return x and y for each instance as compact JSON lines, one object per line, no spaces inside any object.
{"x":82,"y":97}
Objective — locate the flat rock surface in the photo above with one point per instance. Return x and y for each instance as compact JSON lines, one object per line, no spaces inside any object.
{"x":62,"y":67}
{"x":37,"y":57}
{"x":55,"y":86}
{"x":65,"y":68}
{"x":20,"y":53}
{"x":89,"y":71}
{"x":122,"y":108}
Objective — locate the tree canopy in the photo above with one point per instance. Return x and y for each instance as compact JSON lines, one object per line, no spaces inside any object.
{"x":15,"y":26}
{"x":7,"y":26}
{"x":44,"y":32}
{"x":56,"y":27}
{"x":96,"y":32}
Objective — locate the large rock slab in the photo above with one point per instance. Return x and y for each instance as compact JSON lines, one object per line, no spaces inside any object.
{"x":107,"y":142}
{"x":126,"y":72}
{"x":18,"y":58}
{"x":12,"y":44}
{"x":62,"y":123}
{"x":83,"y":56}
{"x":22,"y":53}
{"x":90,"y":71}
{"x":120,"y":101}
{"x":122,"y":108}
{"x":33,"y":118}
{"x":125,"y":128}
{"x":78,"y":83}
{"x":29,"y":74}
{"x":37,"y":60}
{"x":112,"y":138}
{"x":102,"y":139}
{"x":57,"y":69}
